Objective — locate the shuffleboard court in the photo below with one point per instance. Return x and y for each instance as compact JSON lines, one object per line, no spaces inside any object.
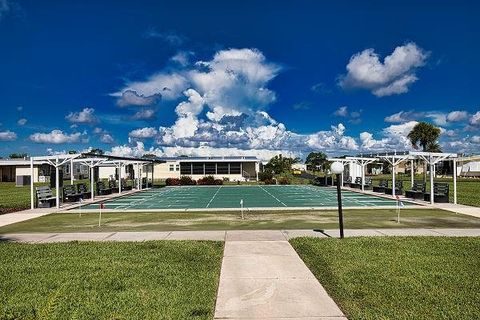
{"x":218,"y":197}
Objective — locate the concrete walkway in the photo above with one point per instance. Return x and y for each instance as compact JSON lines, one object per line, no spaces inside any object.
{"x":263,"y":277}
{"x":14,"y":217}
{"x":257,"y":235}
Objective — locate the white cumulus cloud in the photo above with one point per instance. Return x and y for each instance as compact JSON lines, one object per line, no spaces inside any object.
{"x":55,"y":137}
{"x":148,"y":132}
{"x":8,"y":135}
{"x":394,"y":75}
{"x":86,"y":116}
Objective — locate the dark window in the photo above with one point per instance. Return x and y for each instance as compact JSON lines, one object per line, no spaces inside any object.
{"x":222,"y":168}
{"x":210,"y":168}
{"x":186,"y":168}
{"x":235,"y":168}
{"x":198,"y":168}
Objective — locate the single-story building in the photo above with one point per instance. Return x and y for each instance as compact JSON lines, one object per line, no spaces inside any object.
{"x":225,"y":168}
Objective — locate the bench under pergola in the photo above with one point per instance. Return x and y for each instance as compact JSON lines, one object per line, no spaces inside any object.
{"x":90,"y":160}
{"x":396,"y":158}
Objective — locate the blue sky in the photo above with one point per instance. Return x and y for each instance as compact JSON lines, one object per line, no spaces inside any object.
{"x":219,"y":78}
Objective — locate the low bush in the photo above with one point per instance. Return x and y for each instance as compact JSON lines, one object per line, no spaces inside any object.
{"x":283,"y":180}
{"x":187,"y":181}
{"x":265,"y":175}
{"x":270,"y":181}
{"x":208,"y":180}
{"x":172,"y":182}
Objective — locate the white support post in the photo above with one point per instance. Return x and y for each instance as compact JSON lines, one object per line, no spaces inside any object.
{"x":412,"y":172}
{"x":393,"y":178}
{"x":153,"y":176}
{"x":71,"y":171}
{"x":92,"y":190}
{"x":139,"y":178}
{"x":432,"y":196}
{"x":120,"y":179}
{"x":32,"y":198}
{"x":57,"y":183}
{"x":363,"y":177}
{"x":342,"y":179}
{"x":455,"y":181}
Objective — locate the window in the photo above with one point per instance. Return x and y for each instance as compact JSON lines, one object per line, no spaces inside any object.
{"x":172,"y":167}
{"x":186,"y":168}
{"x":177,"y":167}
{"x":210,"y":168}
{"x":198,"y":168}
{"x":235,"y":168}
{"x":222,"y":168}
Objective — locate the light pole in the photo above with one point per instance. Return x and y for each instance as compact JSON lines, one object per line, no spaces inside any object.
{"x":337,"y":169}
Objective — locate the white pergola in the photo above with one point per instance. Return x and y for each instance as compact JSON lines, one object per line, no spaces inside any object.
{"x":395,"y":158}
{"x":90,"y":160}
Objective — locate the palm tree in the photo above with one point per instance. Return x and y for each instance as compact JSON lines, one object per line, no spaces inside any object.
{"x":425,"y":135}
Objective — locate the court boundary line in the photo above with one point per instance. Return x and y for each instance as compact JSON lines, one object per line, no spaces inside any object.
{"x":208,"y":204}
{"x":273,"y":196}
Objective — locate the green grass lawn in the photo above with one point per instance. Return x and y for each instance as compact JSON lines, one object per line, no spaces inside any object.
{"x":147,"y":280}
{"x":260,"y":220}
{"x":398,"y":278}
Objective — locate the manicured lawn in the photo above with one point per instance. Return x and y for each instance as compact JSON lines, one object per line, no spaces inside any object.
{"x":148,"y":280}
{"x":170,"y":221}
{"x":398,"y":278}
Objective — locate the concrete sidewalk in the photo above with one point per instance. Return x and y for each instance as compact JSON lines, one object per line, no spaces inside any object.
{"x":257,"y":235}
{"x":263,"y":277}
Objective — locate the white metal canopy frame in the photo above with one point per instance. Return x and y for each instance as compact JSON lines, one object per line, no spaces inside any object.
{"x":395,"y":158}
{"x":90,"y":160}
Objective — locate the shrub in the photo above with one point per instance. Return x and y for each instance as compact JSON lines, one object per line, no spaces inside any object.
{"x":172,"y":182}
{"x":218,"y":182}
{"x":265,"y":175}
{"x":270,"y":181}
{"x":283,"y":180}
{"x":187,"y":181}
{"x":208,"y":180}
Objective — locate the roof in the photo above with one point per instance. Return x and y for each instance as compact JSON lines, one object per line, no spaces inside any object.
{"x":207,"y":159}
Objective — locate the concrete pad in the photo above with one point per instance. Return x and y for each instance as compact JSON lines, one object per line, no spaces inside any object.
{"x":137,"y":236}
{"x":265,"y":267}
{"x":408,"y":232}
{"x":66,"y":237}
{"x":459,"y":232}
{"x":274,"y":298}
{"x":197,"y":235}
{"x":26,"y":237}
{"x":255,"y":235}
{"x":249,"y":248}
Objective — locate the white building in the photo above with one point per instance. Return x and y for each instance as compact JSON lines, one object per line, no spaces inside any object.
{"x":231,"y":168}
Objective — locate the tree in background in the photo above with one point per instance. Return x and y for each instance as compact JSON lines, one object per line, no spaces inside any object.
{"x":425,"y":135}
{"x":316,"y":160}
{"x":280,"y":164}
{"x":149,"y":156}
{"x":72,"y":152}
{"x":18,"y":155}
{"x":98,"y":151}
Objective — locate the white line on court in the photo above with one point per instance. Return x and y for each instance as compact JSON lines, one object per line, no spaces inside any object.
{"x":213,"y":196}
{"x":272,"y":196}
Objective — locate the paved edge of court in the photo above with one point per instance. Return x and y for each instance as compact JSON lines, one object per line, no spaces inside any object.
{"x":223,"y":235}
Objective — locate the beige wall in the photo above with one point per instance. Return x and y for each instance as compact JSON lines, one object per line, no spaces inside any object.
{"x":162,"y":170}
{"x":25,"y":171}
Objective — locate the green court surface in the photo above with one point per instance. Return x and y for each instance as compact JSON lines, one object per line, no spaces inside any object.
{"x":217,"y":197}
